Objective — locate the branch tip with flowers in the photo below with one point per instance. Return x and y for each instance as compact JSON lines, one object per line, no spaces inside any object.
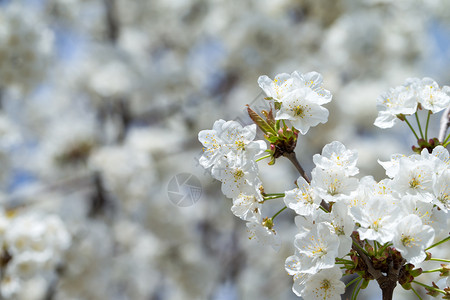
{"x":379,"y":231}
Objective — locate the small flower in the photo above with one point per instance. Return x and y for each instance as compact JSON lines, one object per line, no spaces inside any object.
{"x":292,"y":267}
{"x":279,"y":87}
{"x":441,"y":189}
{"x":228,"y":137}
{"x":392,"y":165}
{"x":335,"y":154}
{"x":262,"y":234}
{"x":332,"y":184}
{"x":248,"y":203}
{"x":415,"y":178}
{"x":303,"y":199}
{"x":377,"y":219}
{"x":341,"y":224}
{"x":428,"y":213}
{"x":235,"y":174}
{"x":412,"y":237}
{"x":314,"y":81}
{"x":302,"y":108}
{"x":325,"y":285}
{"x":319,"y":248}
{"x":285,"y":83}
{"x":432,"y":97}
{"x":398,"y":101}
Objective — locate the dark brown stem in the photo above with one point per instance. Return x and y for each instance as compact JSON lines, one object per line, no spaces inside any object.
{"x":389,"y":282}
{"x":374,"y":272}
{"x":291,"y":156}
{"x":293,"y":159}
{"x":386,"y":282}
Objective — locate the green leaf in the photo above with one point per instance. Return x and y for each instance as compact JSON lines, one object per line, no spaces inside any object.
{"x":262,"y":124}
{"x":269,"y":117}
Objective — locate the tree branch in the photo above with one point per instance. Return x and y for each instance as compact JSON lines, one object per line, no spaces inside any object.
{"x":445,"y":124}
{"x":291,"y":156}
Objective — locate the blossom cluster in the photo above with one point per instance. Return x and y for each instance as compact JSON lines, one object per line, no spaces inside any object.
{"x":406,"y":209}
{"x":33,"y":245}
{"x":300,"y":96}
{"x":230,"y":149}
{"x":359,"y":223}
{"x":406,"y":99}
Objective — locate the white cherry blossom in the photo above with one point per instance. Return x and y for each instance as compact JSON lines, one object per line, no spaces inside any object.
{"x":324,"y":285}
{"x":301,"y":107}
{"x":398,"y":100}
{"x":336,"y":154}
{"x":285,"y":83}
{"x":377,"y":219}
{"x":441,"y":189}
{"x":432,"y":97}
{"x":332,"y":184}
{"x":319,"y":248}
{"x":228,"y":137}
{"x":263,"y":235}
{"x":235,"y":174}
{"x":292,"y":267}
{"x":415,"y":178}
{"x":248,"y":203}
{"x":411,"y":238}
{"x":303,"y":200}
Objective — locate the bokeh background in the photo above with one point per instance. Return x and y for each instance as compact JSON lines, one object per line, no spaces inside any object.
{"x":101,"y":104}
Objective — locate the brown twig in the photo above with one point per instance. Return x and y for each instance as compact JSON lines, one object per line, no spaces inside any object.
{"x":293,"y":159}
{"x":386,"y":282}
{"x":445,"y":124}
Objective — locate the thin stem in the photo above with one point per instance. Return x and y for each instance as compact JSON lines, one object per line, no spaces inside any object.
{"x":431,"y":271}
{"x":440,"y":259}
{"x":446,"y":139}
{"x":293,"y":159}
{"x":359,"y":247}
{"x":278,"y":212}
{"x":412,"y":129}
{"x":438,"y":243}
{"x":384,"y":247}
{"x":274,"y":194}
{"x":322,"y":208}
{"x":426,"y":126}
{"x":418,"y":124}
{"x":344,"y":260}
{"x":261,"y":158}
{"x":272,"y":197}
{"x":418,"y":296}
{"x":356,"y":287}
{"x":357,"y":292}
{"x":341,"y":263}
{"x":353,"y":281}
{"x":429,"y":287}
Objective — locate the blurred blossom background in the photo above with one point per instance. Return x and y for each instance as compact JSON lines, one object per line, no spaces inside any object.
{"x":101,"y":103}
